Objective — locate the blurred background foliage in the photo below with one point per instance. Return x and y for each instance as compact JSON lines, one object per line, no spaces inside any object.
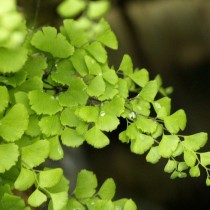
{"x":170,"y":38}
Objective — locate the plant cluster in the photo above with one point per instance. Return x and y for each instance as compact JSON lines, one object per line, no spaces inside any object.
{"x":57,"y":88}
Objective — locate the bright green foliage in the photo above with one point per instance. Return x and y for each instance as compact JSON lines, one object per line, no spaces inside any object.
{"x":37,"y":198}
{"x":71,"y":8}
{"x":9,"y":155}
{"x":86,"y":184}
{"x":43,"y":40}
{"x":40,"y":100}
{"x":176,"y":121}
{"x":57,"y":88}
{"x":15,"y":122}
{"x":4,"y":98}
{"x":97,"y":9}
{"x":25,"y":179}
{"x":107,"y":190}
{"x":35,"y":154}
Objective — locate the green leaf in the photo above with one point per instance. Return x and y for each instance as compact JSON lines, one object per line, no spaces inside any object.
{"x":35,"y":66}
{"x":56,"y":151}
{"x":43,"y":40}
{"x":149,"y":91}
{"x":196,"y":141}
{"x":75,"y":95}
{"x":178,"y":174}
{"x":179,"y":150}
{"x":107,"y":190}
{"x":130,"y":205}
{"x":140,"y":77}
{"x":170,"y":166}
{"x":14,"y":124}
{"x":92,"y":65}
{"x":110,"y":76}
{"x":182,"y":166}
{"x":158,"y":132}
{"x":71,"y":8}
{"x":78,"y":61}
{"x":97,"y":9}
{"x":18,"y":56}
{"x":43,"y":103}
{"x":74,"y":204}
{"x":96,"y":138}
{"x":68,"y":117}
{"x":34,"y":83}
{"x":62,"y":186}
{"x":36,"y":153}
{"x":141,"y":106}
{"x":107,"y":122}
{"x":96,"y":87}
{"x":208,"y":181}
{"x":153,"y":155}
{"x":106,"y":36}
{"x":8,"y":155}
{"x":126,"y":65}
{"x":123,"y":137}
{"x":162,"y":107}
{"x":141,"y":144}
{"x":33,"y":127}
{"x":4,"y":98}
{"x":114,"y":107}
{"x":132,"y":132}
{"x":110,"y":92}
{"x":168,"y":145}
{"x":194,"y":171}
{"x":50,"y":125}
{"x":123,"y":88}
{"x":71,"y":138}
{"x":205,"y":158}
{"x":97,"y":51}
{"x":50,"y":177}
{"x":64,"y":73}
{"x":190,"y":157}
{"x":12,"y":202}
{"x":86,"y":184}
{"x":37,"y":198}
{"x":88,"y":113}
{"x":146,"y":125}
{"x":25,"y":179}
{"x":76,"y":35}
{"x":176,"y":121}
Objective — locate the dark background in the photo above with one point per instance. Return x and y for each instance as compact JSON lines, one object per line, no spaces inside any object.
{"x":170,"y":38}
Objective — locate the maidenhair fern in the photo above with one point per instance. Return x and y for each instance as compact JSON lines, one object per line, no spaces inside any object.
{"x":57,"y":88}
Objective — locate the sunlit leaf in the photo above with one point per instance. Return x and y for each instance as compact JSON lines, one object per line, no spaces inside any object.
{"x":153,"y":155}
{"x":196,"y":141}
{"x":170,"y":166}
{"x":176,"y":121}
{"x":25,"y":179}
{"x":70,"y":137}
{"x":43,"y":103}
{"x":92,"y":65}
{"x":162,"y":107}
{"x":71,"y":8}
{"x":50,"y":125}
{"x":56,"y":151}
{"x":149,"y":91}
{"x":37,"y":198}
{"x":8,"y":155}
{"x":97,"y":51}
{"x":4,"y":98}
{"x":88,"y":113}
{"x":86,"y":184}
{"x":194,"y":171}
{"x":140,"y":77}
{"x":145,"y":124}
{"x":141,"y":144}
{"x":97,"y":9}
{"x":19,"y":57}
{"x":50,"y":177}
{"x":190,"y":157}
{"x":168,"y":145}
{"x":36,"y":153}
{"x":14,"y":124}
{"x":205,"y":158}
{"x":96,"y":138}
{"x":107,"y":190}
{"x":43,"y":40}
{"x":126,"y":65}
